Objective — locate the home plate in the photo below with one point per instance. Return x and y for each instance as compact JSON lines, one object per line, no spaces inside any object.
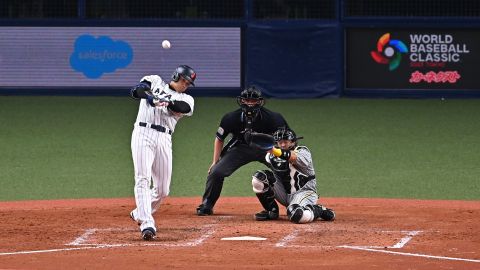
{"x":244,"y":238}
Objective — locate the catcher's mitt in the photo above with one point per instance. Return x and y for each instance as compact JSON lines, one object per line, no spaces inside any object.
{"x":261,"y":141}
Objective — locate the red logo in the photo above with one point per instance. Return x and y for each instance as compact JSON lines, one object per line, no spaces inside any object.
{"x":434,"y":77}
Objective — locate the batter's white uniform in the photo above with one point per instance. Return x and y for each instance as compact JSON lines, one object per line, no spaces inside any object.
{"x":152,"y":150}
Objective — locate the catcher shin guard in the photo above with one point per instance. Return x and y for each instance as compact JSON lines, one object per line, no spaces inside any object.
{"x":268,"y":202}
{"x":299,"y":214}
{"x":262,"y":182}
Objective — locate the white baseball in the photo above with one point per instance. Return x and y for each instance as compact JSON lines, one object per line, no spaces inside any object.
{"x":166,"y":44}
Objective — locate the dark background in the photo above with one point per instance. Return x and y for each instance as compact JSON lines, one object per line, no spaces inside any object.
{"x":363,"y":72}
{"x":291,"y":48}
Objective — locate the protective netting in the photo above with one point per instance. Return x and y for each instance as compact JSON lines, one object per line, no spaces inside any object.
{"x":178,"y":9}
{"x":411,"y":8}
{"x":236,"y":9}
{"x":294,"y":9}
{"x":38,"y":9}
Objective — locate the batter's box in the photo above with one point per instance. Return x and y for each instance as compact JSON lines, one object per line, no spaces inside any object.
{"x":346,"y":237}
{"x":188,"y":236}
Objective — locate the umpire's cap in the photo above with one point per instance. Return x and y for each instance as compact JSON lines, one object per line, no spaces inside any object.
{"x":185,"y":72}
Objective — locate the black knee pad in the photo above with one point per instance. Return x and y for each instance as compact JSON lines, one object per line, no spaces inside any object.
{"x":265,"y":176}
{"x":261,"y":176}
{"x":295,"y":212}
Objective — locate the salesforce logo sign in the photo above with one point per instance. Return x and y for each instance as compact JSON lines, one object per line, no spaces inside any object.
{"x":95,"y":56}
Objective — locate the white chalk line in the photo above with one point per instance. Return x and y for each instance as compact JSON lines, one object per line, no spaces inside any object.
{"x":284,"y":241}
{"x":400,"y":244}
{"x":82,"y":238}
{"x":47,"y":250}
{"x":410,"y":254}
{"x":405,"y":239}
{"x":80,"y":245}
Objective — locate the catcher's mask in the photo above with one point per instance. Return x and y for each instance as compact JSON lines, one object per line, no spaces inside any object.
{"x":185,"y":72}
{"x":285,"y":133}
{"x":251,"y":100}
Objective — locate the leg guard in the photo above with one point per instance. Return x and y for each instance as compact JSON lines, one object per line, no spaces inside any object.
{"x":299,"y":214}
{"x":262,"y":182}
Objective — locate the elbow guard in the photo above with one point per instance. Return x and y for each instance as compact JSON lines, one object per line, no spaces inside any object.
{"x":179,"y":106}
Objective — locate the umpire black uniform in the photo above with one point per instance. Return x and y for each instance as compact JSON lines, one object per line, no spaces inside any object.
{"x":251,"y":117}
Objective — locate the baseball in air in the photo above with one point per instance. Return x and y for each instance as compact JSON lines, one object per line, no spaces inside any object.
{"x":166,"y":44}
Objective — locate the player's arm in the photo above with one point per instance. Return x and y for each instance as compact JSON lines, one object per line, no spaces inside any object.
{"x":179,"y":106}
{"x":182,"y":105}
{"x":303,"y":156}
{"x":143,"y":90}
{"x":289,"y":155}
{"x":217,"y":150}
{"x":140,"y":90}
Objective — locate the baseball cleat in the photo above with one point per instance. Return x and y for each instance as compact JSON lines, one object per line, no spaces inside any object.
{"x":148,"y":234}
{"x":327,"y":214}
{"x":134,"y":219}
{"x":202,"y":211}
{"x":266,"y":215}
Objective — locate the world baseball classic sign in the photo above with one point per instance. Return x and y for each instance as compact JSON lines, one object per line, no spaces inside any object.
{"x":415,"y":59}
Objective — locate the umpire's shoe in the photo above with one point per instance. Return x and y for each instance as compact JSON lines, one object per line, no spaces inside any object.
{"x":266,"y":215}
{"x":148,"y":234}
{"x":203,"y":211}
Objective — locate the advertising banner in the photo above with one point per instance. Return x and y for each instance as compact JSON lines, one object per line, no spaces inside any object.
{"x":412,"y":59}
{"x":116,"y":56}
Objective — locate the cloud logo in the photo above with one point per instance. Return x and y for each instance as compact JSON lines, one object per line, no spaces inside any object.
{"x":389,"y":51}
{"x":95,"y":56}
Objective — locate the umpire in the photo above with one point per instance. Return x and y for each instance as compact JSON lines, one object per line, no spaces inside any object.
{"x":251,"y":117}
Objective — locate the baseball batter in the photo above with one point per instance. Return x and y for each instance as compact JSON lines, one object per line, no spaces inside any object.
{"x":161,"y":106}
{"x":291,"y":181}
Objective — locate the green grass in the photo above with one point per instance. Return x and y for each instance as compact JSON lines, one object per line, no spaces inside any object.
{"x":79,"y":147}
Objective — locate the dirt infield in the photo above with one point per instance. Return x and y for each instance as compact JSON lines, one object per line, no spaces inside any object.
{"x":368,"y":234}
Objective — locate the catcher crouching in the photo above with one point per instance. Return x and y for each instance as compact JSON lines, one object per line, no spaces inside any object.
{"x":290,"y":181}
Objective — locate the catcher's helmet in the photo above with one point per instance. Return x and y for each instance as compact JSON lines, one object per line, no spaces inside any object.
{"x":250,"y":99}
{"x":284,"y":133}
{"x":185,"y":72}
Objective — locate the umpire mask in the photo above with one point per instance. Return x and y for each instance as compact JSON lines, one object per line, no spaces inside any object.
{"x":250,"y":100}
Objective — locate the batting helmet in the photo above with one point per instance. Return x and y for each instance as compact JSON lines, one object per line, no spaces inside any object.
{"x":284,"y":133}
{"x":185,"y":72}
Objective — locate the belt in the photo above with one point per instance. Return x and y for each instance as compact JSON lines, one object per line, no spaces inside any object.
{"x":156,"y":127}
